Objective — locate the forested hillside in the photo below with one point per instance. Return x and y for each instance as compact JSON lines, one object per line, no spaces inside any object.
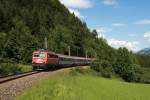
{"x":25,"y":23}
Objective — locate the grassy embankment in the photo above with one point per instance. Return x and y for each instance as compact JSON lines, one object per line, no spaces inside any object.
{"x":76,"y":86}
{"x":10,"y":68}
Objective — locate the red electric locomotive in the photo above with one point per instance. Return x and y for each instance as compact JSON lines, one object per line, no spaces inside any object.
{"x":45,"y":60}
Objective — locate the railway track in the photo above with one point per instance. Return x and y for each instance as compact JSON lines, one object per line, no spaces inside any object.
{"x":4,"y":79}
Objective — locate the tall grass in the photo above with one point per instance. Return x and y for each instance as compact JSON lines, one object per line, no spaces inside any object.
{"x":79,"y":86}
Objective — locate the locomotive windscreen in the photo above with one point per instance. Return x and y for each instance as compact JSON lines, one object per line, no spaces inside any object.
{"x":41,"y":55}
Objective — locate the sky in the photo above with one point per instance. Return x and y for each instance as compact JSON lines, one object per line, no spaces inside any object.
{"x":123,"y":23}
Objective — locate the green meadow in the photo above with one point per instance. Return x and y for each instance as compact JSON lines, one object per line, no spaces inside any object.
{"x":66,"y":86}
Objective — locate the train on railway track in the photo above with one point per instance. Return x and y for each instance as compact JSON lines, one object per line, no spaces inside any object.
{"x":44,"y":60}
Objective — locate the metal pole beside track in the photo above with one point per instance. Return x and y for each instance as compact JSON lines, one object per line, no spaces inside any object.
{"x":69,"y":50}
{"x":86,"y":54}
{"x":46,"y":43}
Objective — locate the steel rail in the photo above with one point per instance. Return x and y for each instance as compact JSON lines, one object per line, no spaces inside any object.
{"x":4,"y":79}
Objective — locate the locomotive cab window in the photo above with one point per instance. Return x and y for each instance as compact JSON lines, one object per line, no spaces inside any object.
{"x":42,"y":55}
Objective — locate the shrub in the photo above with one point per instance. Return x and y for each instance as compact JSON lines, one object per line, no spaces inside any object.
{"x":9,"y":67}
{"x":104,"y":68}
{"x":133,"y":73}
{"x":124,"y":71}
{"x":142,"y":75}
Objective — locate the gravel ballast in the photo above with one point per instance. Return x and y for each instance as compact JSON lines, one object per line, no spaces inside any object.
{"x":15,"y":87}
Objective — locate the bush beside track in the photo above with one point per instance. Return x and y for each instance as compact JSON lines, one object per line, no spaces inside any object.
{"x":128,"y":72}
{"x":9,"y":67}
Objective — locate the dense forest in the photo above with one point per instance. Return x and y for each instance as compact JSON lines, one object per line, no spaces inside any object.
{"x":25,"y":23}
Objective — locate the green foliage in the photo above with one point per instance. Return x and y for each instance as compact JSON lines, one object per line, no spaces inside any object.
{"x":26,"y":23}
{"x":9,"y":68}
{"x":123,"y":65}
{"x":104,"y":68}
{"x":2,"y":42}
{"x":126,"y":65}
{"x":144,"y":60}
{"x":141,"y":74}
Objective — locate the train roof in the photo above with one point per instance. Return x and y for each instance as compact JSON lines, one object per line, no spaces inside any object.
{"x":65,"y":56}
